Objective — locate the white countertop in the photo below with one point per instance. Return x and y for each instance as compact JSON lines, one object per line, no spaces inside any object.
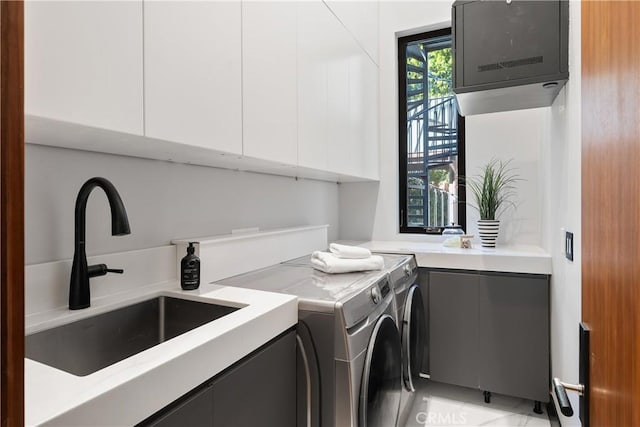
{"x":129,"y":391}
{"x":508,"y":259}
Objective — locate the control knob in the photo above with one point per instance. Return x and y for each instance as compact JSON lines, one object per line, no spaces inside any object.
{"x":375,"y":295}
{"x":408,"y":270}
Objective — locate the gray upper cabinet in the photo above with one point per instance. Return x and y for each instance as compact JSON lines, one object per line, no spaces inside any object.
{"x":518,"y":44}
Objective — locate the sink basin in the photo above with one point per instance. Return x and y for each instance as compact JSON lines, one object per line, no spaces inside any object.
{"x":90,"y":344}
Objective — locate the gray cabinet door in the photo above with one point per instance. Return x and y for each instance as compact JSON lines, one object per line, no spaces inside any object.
{"x":260,"y":391}
{"x":194,"y":411}
{"x":504,"y":42}
{"x":453,"y":328}
{"x":514,"y":335}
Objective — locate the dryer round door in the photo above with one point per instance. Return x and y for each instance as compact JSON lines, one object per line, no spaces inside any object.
{"x":414,"y":336}
{"x":381,"y":379}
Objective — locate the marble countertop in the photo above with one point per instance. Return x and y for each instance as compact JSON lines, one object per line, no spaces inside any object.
{"x":129,"y":391}
{"x":508,"y":259}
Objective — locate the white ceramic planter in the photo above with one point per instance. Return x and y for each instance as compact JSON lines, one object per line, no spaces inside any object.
{"x":488,"y":230}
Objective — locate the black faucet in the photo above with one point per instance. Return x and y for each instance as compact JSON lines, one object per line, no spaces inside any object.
{"x":79,"y":295}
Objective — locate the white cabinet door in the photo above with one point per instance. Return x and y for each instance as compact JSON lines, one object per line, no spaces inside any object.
{"x":364,"y":114}
{"x":192,"y":69}
{"x":361,"y":19}
{"x":324,"y":49}
{"x":343,"y":155}
{"x":313,"y":57}
{"x":357,"y":107}
{"x":337,"y":97}
{"x":83,"y":63}
{"x":269,"y":70}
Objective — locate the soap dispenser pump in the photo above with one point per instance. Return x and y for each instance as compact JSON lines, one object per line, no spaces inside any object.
{"x":190,"y":269}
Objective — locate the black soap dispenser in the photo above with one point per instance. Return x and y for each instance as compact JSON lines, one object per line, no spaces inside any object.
{"x":190,"y":270}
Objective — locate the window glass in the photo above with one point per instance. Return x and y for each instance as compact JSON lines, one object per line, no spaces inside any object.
{"x":429,"y":135}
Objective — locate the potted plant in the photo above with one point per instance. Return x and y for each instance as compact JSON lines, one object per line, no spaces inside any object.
{"x":493,"y":191}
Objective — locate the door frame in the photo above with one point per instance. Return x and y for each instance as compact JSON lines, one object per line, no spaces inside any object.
{"x":12,"y":213}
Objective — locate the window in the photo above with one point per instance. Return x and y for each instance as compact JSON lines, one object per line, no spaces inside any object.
{"x":431,"y":135}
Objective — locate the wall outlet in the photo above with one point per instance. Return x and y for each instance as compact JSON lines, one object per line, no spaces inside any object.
{"x":568,"y":245}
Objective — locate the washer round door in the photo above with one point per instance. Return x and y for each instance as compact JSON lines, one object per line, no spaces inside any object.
{"x":414,"y":336}
{"x":381,"y":379}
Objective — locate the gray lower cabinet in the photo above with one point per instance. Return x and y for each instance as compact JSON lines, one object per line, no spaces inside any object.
{"x":453,"y":328}
{"x":258,"y":390}
{"x":261,"y":391}
{"x":194,"y":410}
{"x":490,"y":331}
{"x":514,"y":336}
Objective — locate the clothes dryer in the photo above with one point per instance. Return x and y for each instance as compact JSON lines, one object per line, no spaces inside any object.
{"x":349,"y":359}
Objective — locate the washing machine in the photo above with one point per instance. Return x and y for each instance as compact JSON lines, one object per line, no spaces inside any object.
{"x":410,"y":318}
{"x":349,"y":347}
{"x":412,"y":324}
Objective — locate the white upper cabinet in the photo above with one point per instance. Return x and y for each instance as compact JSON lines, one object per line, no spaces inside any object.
{"x":337,"y":96}
{"x":269,"y":86}
{"x":83,"y":63}
{"x":343,"y":157}
{"x":357,"y":107}
{"x":363,"y":116}
{"x":269,"y":73}
{"x":314,"y":51}
{"x":361,"y":19}
{"x":192,"y":73}
{"x":352,"y":108}
{"x":369,"y":144}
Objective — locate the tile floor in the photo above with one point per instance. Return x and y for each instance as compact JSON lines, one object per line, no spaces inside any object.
{"x":438,"y":404}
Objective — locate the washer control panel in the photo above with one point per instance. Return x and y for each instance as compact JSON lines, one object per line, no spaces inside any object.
{"x":368,"y":300}
{"x":385,"y":288}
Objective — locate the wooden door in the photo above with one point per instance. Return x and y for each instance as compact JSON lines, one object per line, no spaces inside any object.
{"x":611,"y":207}
{"x":11,"y":214}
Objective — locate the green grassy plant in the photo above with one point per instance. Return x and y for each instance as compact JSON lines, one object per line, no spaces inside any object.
{"x":494,"y":189}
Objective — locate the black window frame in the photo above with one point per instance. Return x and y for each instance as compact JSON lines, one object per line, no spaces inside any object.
{"x":402,"y":141}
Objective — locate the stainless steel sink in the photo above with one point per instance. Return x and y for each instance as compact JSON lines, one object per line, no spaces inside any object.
{"x":90,"y":344}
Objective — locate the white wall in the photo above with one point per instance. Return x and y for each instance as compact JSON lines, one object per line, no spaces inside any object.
{"x":520,"y":136}
{"x":370,"y":211}
{"x":163,"y":200}
{"x":562,"y":157}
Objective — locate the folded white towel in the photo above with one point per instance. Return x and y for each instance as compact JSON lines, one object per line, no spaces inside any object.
{"x":329,"y":263}
{"x":344,"y":251}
